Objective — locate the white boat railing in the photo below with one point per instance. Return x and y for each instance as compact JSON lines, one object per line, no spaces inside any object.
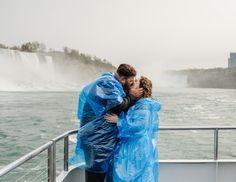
{"x":51,"y":149}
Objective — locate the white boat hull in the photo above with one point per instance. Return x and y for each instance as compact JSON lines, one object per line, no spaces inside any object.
{"x":178,"y":171}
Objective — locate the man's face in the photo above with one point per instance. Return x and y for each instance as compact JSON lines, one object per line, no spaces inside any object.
{"x":136,"y":84}
{"x":130,"y":81}
{"x":127,"y":83}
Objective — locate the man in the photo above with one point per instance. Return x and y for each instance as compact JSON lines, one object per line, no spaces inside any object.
{"x":109,"y":91}
{"x":97,"y":138}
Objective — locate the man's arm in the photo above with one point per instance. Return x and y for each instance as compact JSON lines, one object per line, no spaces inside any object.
{"x":128,"y":101}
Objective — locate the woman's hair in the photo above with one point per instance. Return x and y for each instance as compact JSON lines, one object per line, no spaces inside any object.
{"x":146,"y":84}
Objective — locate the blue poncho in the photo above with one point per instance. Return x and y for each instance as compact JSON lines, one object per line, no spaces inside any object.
{"x":97,"y":139}
{"x":99,"y":97}
{"x":136,"y":155}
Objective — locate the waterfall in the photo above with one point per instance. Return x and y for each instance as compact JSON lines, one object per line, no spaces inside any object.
{"x":23,"y":71}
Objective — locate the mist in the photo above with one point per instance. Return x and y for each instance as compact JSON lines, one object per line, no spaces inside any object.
{"x":22,"y":71}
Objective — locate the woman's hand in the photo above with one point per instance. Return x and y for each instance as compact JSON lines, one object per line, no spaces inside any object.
{"x":111,"y":118}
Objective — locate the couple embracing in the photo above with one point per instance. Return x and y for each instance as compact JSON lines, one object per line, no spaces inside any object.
{"x":117,"y":140}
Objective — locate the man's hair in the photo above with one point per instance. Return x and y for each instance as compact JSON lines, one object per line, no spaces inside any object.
{"x":146,"y":84}
{"x":126,"y":70}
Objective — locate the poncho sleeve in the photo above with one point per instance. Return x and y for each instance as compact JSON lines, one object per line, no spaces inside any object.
{"x":134,"y":123}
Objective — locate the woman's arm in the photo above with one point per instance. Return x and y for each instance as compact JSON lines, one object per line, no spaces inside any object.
{"x":132,"y":124}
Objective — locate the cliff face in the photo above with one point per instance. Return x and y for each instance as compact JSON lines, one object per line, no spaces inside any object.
{"x":80,"y":65}
{"x":210,"y":78}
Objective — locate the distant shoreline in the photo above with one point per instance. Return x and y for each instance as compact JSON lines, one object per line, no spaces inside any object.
{"x":224,"y":78}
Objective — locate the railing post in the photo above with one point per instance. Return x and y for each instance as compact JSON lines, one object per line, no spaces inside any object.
{"x":51,"y":163}
{"x":216,"y":132}
{"x":66,"y":151}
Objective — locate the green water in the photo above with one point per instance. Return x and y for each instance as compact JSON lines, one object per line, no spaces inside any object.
{"x":30,"y":119}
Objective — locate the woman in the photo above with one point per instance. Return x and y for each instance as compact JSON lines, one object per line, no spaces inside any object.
{"x":136,"y":156}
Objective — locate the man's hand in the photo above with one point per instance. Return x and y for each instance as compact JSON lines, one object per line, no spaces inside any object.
{"x":111,"y":118}
{"x":136,"y":92}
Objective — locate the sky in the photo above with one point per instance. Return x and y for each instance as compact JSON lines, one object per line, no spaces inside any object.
{"x":152,"y":35}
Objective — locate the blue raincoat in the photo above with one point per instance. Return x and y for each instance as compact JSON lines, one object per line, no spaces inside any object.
{"x":97,"y":138}
{"x":136,"y":155}
{"x":99,"y":97}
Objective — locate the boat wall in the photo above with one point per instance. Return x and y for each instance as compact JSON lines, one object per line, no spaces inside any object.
{"x":177,"y":171}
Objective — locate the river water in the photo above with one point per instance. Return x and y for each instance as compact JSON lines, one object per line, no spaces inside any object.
{"x":30,"y":119}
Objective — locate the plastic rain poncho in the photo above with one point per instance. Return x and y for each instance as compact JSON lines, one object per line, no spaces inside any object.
{"x":136,"y":155}
{"x":96,"y":139}
{"x":99,"y":97}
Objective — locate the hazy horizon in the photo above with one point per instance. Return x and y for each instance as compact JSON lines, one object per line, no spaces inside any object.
{"x":151,"y":35}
